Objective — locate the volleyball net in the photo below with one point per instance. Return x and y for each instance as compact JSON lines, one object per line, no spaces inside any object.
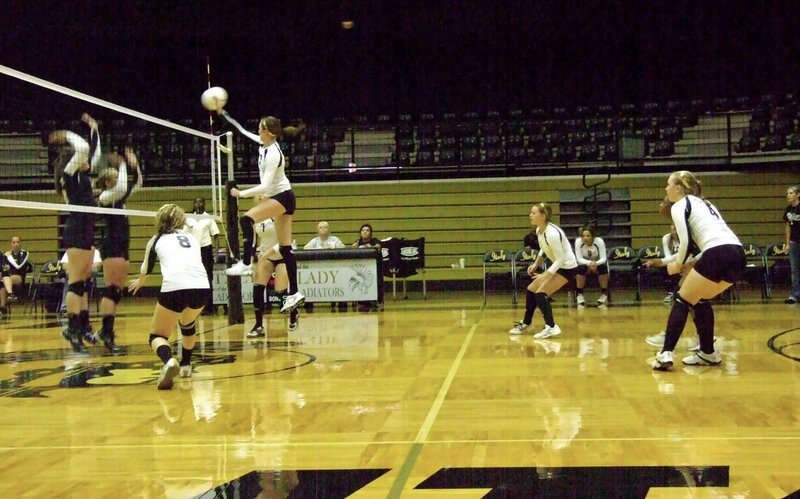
{"x":178,"y":162}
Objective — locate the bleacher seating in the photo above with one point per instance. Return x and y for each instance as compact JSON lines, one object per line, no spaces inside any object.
{"x":747,"y":144}
{"x":556,"y":135}
{"x":449,"y":157}
{"x":774,"y":142}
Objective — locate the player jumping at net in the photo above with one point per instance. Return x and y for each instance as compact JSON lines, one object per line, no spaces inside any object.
{"x":115,"y":190}
{"x":279,"y":205}
{"x":78,"y":235}
{"x":269,"y":261}
{"x":184,"y":290}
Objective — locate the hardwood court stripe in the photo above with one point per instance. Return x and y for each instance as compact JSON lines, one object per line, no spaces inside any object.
{"x":283,"y":445}
{"x":416,"y":447}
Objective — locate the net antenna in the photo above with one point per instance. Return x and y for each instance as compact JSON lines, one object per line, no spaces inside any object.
{"x":234,"y":284}
{"x":216,"y":165}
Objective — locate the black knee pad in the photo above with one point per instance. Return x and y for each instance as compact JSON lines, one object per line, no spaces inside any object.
{"x":541,"y":298}
{"x":530,"y":300}
{"x":286,"y":251}
{"x":681,"y":300}
{"x":154,"y":337}
{"x":78,"y":287}
{"x":188,"y":329}
{"x":703,"y":305}
{"x":114,"y":293}
{"x":246,"y":221}
{"x":704,"y":315}
{"x":258,"y":296}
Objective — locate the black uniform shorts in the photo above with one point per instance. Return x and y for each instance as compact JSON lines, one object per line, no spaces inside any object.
{"x":79,"y":231}
{"x":181,"y":299}
{"x":722,"y":263}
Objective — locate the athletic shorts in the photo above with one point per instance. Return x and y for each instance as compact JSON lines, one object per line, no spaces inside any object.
{"x":178,"y":301}
{"x":722,"y":263}
{"x":116,"y":238}
{"x":584,"y":269}
{"x":568,"y":274}
{"x":79,"y":231}
{"x":115,"y":246}
{"x":287,"y":200}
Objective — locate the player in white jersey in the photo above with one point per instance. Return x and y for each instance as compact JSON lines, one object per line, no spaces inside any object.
{"x":556,"y":246}
{"x":279,"y":205}
{"x":670,"y":244}
{"x":722,"y":261}
{"x":590,"y":252}
{"x":184,"y":290}
{"x":206,"y":232}
{"x":269,"y":261}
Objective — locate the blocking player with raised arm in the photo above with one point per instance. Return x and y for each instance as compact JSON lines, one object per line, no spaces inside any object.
{"x":721,"y":263}
{"x":78,"y":236}
{"x":556,"y":246}
{"x":114,"y":248}
{"x":184,"y":290}
{"x":279,"y":205}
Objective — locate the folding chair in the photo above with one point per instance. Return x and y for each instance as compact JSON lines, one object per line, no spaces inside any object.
{"x":623,"y":266}
{"x":412,"y":261}
{"x":390,"y":260}
{"x":777,"y":261}
{"x":523,"y":258}
{"x":21,"y":290}
{"x":47,"y":275}
{"x":756,"y":270}
{"x":497,"y":259}
{"x":647,"y":275}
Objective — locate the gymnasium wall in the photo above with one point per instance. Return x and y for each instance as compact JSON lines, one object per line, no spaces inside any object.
{"x":459,"y":218}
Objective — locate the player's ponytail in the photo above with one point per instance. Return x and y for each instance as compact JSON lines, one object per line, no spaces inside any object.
{"x":546,"y":209}
{"x":169,"y":218}
{"x":691,"y":185}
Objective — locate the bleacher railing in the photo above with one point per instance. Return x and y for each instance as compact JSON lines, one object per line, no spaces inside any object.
{"x":413,"y":150}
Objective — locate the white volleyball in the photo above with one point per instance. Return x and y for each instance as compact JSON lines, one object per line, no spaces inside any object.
{"x":214,"y":98}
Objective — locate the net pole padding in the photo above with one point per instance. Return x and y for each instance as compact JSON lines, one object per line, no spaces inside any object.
{"x":229,"y":156}
{"x":229,"y":153}
{"x":213,"y":184}
{"x":235,"y":308}
{"x":99,"y":102}
{"x":216,"y":184}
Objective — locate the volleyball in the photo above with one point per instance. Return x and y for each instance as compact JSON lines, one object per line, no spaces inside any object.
{"x":213,"y":97}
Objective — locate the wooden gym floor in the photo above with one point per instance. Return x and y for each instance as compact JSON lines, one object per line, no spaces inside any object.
{"x":425,"y":399}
